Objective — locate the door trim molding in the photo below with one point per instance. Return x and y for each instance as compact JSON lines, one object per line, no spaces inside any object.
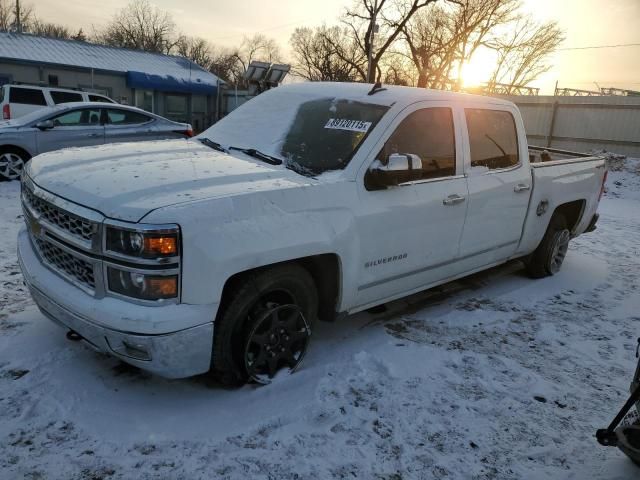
{"x":436,"y":265}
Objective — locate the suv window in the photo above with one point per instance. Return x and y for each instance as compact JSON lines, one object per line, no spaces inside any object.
{"x":64,"y":97}
{"x":429,"y":134}
{"x":493,"y":139}
{"x":99,"y":98}
{"x":75,"y":118}
{"x":126,"y":117}
{"x":28,"y":96}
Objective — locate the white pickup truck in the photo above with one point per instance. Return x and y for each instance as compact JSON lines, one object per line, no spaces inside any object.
{"x":311,"y":201}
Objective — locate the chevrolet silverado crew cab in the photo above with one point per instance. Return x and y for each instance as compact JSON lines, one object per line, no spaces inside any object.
{"x":311,"y":201}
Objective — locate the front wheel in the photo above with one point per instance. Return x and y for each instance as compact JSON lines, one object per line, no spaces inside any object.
{"x":265,"y":325}
{"x":12,"y":162}
{"x":547,"y":259}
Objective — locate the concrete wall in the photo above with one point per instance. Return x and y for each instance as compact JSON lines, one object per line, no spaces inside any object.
{"x":609,"y":123}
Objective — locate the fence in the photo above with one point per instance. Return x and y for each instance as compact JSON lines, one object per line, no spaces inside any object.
{"x":609,"y":123}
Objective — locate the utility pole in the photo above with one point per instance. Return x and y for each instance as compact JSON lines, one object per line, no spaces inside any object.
{"x":374,"y":28}
{"x":18,"y":19}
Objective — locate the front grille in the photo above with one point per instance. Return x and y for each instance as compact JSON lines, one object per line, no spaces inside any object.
{"x":79,"y":270}
{"x":70,"y":223}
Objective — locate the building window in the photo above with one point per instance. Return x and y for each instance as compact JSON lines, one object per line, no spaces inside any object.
{"x":53,"y":80}
{"x":176,"y":104}
{"x":144,"y":100}
{"x":199,"y":103}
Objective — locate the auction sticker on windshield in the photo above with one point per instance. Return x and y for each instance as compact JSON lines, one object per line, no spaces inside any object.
{"x":349,"y":125}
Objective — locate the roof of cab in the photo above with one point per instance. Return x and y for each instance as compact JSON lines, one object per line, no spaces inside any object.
{"x":390,"y":95}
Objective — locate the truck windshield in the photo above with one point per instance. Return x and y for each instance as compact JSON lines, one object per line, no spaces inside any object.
{"x":311,"y":134}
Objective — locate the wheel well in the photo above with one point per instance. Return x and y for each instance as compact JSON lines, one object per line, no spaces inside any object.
{"x":15,"y":149}
{"x":324,"y":269}
{"x":572,"y":213}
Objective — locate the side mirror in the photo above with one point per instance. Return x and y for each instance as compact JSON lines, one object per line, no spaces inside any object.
{"x":400,"y":168}
{"x":45,"y":125}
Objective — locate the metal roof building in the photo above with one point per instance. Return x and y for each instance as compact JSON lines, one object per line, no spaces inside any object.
{"x":168,"y":85}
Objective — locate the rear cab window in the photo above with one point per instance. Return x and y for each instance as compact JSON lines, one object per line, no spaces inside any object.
{"x":493,"y":138}
{"x":27,"y":96}
{"x":64,"y":97}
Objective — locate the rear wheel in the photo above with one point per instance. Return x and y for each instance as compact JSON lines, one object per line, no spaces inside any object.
{"x":265,"y":326}
{"x":547,"y":259}
{"x":12,"y":162}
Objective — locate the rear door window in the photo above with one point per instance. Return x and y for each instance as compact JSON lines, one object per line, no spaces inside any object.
{"x":27,"y":96}
{"x":65,"y":97}
{"x":126,"y":117}
{"x":493,"y":138}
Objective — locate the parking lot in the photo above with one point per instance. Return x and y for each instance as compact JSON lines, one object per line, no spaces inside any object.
{"x":493,"y":377}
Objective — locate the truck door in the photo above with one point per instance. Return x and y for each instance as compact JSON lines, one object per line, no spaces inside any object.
{"x":410,"y":234}
{"x":499,"y":182}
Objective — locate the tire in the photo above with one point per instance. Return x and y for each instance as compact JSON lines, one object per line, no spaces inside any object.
{"x":547,"y":259}
{"x":251,"y":296}
{"x":12,"y":162}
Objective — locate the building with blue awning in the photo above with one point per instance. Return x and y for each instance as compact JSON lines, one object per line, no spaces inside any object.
{"x":168,"y":85}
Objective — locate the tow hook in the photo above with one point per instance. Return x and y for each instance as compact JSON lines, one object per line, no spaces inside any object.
{"x":73,"y":336}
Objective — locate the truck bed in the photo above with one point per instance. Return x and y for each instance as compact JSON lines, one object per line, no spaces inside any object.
{"x":560,"y":177}
{"x":543,"y":156}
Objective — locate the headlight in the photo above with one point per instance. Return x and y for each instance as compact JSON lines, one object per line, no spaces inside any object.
{"x":142,"y":285}
{"x":148,"y":244}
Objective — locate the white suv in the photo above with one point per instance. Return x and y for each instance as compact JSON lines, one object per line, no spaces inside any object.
{"x":18,"y":100}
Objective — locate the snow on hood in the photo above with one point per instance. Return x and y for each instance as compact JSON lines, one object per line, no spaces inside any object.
{"x":127,"y":180}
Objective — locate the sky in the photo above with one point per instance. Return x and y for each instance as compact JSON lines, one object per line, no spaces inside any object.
{"x":585,"y":23}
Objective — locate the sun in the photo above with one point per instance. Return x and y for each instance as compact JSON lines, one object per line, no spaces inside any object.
{"x":479,"y":69}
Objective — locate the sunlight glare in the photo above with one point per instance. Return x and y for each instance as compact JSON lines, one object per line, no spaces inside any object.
{"x":479,"y":69}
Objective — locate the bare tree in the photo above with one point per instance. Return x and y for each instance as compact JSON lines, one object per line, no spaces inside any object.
{"x":441,"y":39}
{"x":197,"y":50}
{"x":9,"y":16}
{"x":224,"y":64}
{"x":388,"y":17}
{"x":52,"y":30}
{"x":524,"y":51}
{"x":326,"y":54}
{"x":259,"y":47}
{"x":140,"y":26}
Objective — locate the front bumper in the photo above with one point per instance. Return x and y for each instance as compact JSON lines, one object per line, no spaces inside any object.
{"x":176,"y":353}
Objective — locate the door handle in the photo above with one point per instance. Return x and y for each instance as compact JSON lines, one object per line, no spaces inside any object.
{"x":93,"y":135}
{"x":453,"y":200}
{"x":521,"y":187}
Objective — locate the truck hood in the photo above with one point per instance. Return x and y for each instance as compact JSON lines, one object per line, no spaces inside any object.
{"x":128,"y":180}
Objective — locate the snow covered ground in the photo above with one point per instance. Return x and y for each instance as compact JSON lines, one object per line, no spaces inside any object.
{"x":493,"y":377}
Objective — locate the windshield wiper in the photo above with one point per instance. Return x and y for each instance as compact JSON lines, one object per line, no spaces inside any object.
{"x":252,"y":152}
{"x":212,"y":144}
